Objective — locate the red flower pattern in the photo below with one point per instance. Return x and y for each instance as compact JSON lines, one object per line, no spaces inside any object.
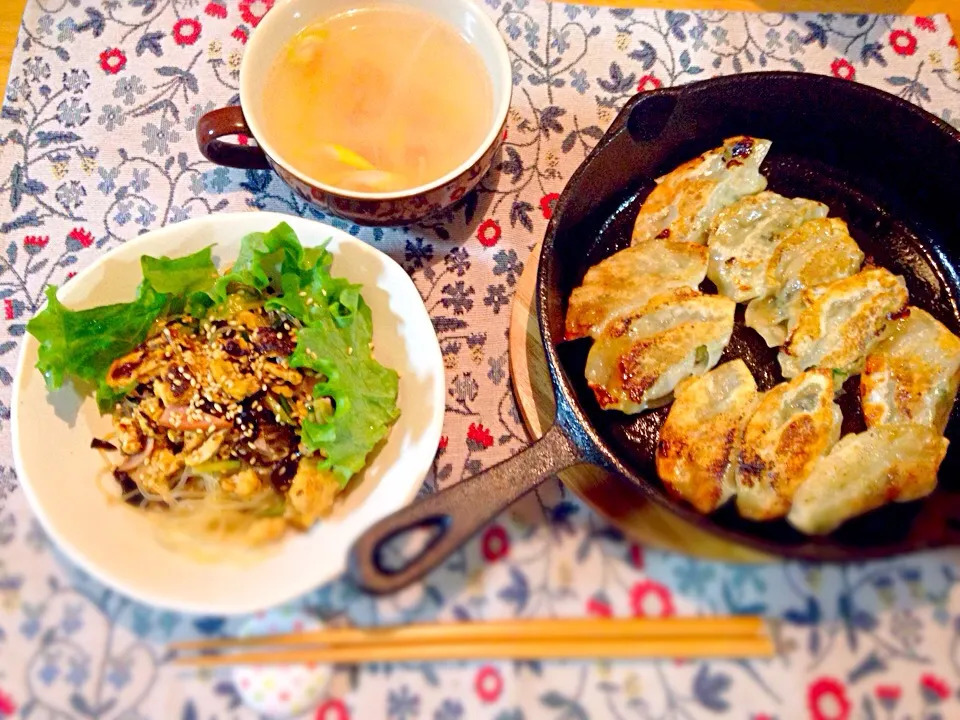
{"x":216,"y":8}
{"x":8,"y":312}
{"x":186,"y":31}
{"x":649,"y":82}
{"x":332,"y":710}
{"x":598,"y":606}
{"x":547,"y":203}
{"x":842,"y":69}
{"x":495,"y":543}
{"x":636,"y":555}
{"x":113,"y":60}
{"x":827,"y":699}
{"x":488,"y":684}
{"x":649,"y":598}
{"x":458,"y":193}
{"x":488,"y":232}
{"x":443,"y":443}
{"x":253,"y":11}
{"x":7,"y":706}
{"x":240,"y":33}
{"x":84,"y":237}
{"x":36,"y":241}
{"x":479,"y":435}
{"x":925,"y":23}
{"x":903,"y":42}
{"x":888,"y":695}
{"x":934,"y":686}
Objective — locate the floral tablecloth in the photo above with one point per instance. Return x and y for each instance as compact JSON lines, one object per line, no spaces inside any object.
{"x":97,"y":145}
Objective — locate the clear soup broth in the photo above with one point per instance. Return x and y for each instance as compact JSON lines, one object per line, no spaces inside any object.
{"x":377,"y":100}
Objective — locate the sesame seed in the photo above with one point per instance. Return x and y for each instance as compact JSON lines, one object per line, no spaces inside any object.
{"x":303,"y":293}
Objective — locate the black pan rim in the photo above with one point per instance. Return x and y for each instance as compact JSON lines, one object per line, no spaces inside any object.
{"x":570,"y":413}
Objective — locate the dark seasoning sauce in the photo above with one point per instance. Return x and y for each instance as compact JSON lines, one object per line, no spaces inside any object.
{"x":885,"y":241}
{"x":247,"y":420}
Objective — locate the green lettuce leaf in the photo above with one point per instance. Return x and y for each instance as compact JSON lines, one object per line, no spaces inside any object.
{"x":181,"y":276}
{"x":83,"y":343}
{"x":364,"y":391}
{"x":313,"y":294}
{"x":187,"y":280}
{"x":263,"y":260}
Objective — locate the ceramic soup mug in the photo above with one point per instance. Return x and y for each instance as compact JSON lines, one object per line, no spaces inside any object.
{"x":399,"y":207}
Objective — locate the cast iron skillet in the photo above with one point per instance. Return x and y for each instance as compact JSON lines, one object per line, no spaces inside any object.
{"x":886,"y":167}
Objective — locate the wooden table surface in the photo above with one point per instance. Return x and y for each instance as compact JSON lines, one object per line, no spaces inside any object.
{"x":12,"y":10}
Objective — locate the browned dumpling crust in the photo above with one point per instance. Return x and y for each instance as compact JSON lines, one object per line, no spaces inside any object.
{"x":795,"y":424}
{"x":685,"y":200}
{"x":638,"y":359}
{"x":892,"y":463}
{"x":700,"y":440}
{"x":628,"y":279}
{"x":743,"y":237}
{"x":912,"y":376}
{"x":819,"y":252}
{"x":842,"y":322}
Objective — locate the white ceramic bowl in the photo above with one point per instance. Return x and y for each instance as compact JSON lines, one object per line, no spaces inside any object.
{"x":119,"y":545}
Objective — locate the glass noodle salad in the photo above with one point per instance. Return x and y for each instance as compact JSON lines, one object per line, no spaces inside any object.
{"x":242,"y":403}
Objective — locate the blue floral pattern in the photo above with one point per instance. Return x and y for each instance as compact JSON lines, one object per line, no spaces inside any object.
{"x":97,"y":145}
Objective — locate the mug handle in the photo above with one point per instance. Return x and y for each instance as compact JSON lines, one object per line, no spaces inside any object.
{"x":228,"y":121}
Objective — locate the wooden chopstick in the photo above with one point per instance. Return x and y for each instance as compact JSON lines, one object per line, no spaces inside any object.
{"x":498,"y":631}
{"x":703,"y":637}
{"x":676,"y":648}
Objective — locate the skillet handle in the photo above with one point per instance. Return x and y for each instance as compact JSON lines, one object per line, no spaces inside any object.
{"x":647,"y":114}
{"x":454,"y":515}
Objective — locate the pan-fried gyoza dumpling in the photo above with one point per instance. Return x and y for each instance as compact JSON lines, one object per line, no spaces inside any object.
{"x":912,"y":376}
{"x":742,"y":239}
{"x":684,"y":201}
{"x":638,"y":359}
{"x":629,"y":278}
{"x":795,"y":423}
{"x":819,"y":252}
{"x":891,"y":463}
{"x":700,"y":439}
{"x":842,"y":322}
